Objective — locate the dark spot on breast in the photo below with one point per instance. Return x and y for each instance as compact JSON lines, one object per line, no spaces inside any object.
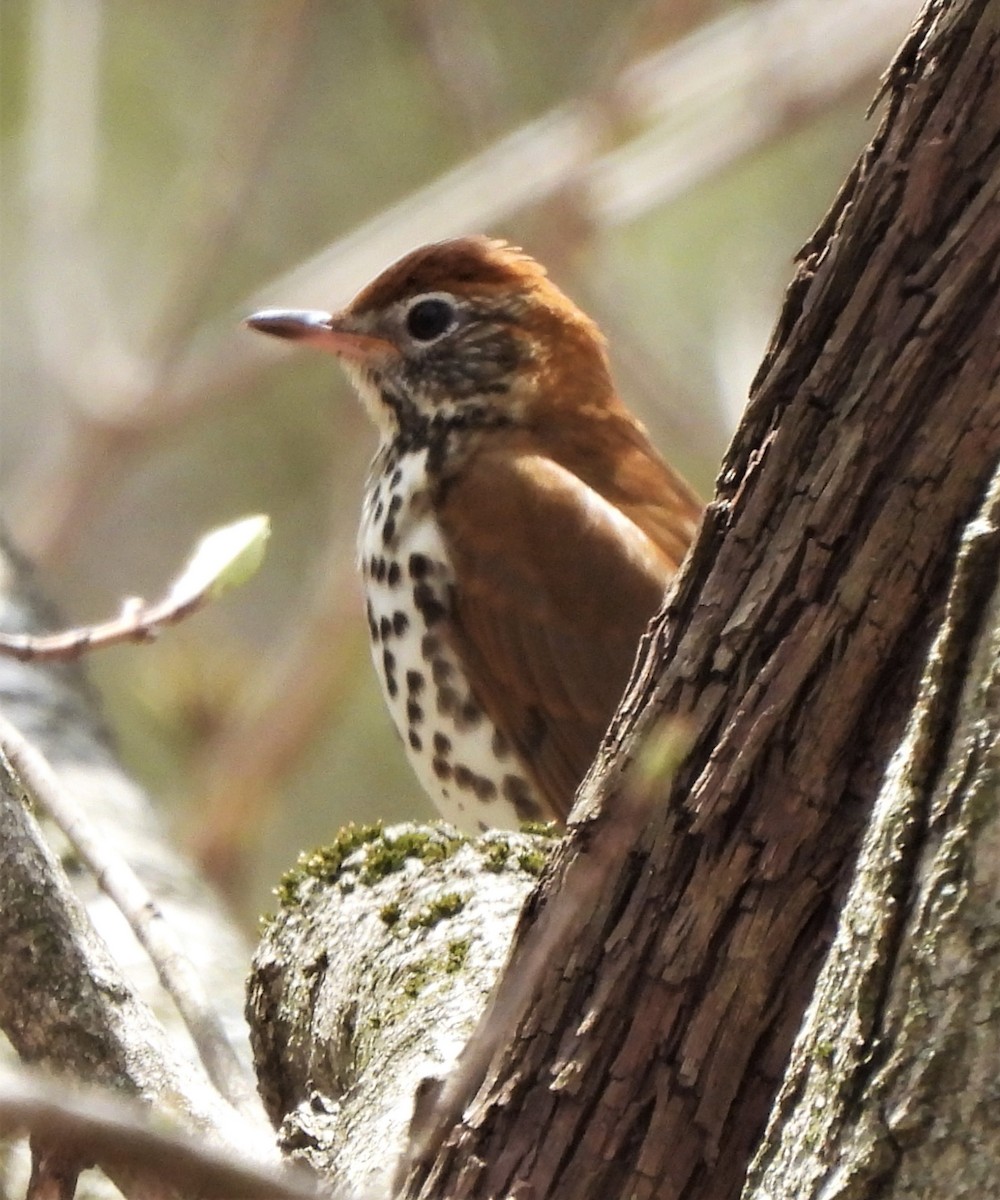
{"x":414,"y":740}
{"x":420,"y":566}
{"x":400,"y":623}
{"x":385,"y":628}
{"x":448,"y":701}
{"x":389,"y":666}
{"x":395,"y":504}
{"x":441,"y":768}
{"x":441,"y":671}
{"x":442,"y":744}
{"x":379,"y":510}
{"x":429,"y":646}
{"x":428,"y":605}
{"x":414,"y":682}
{"x":378,"y":569}
{"x":484,"y":788}
{"x":388,"y":530}
{"x":414,"y":713}
{"x":463,"y":777}
{"x":393,"y":574}
{"x":469,"y":716}
{"x":372,"y":626}
{"x":499,"y":744}
{"x":397,"y":478}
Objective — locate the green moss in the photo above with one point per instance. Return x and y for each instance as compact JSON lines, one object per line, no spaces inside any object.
{"x":495,"y":855}
{"x":387,"y":855}
{"x":547,"y":829}
{"x":458,"y":952}
{"x":823,"y":1052}
{"x":532,"y":862}
{"x":325,"y":863}
{"x":383,"y":854}
{"x":448,"y":904}
{"x":366,"y":854}
{"x":419,"y":975}
{"x":499,"y":854}
{"x":416,"y":979}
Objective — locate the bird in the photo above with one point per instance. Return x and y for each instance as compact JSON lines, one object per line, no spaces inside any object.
{"x":518,"y":529}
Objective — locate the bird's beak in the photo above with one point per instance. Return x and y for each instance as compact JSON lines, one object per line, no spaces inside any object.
{"x":325,"y":331}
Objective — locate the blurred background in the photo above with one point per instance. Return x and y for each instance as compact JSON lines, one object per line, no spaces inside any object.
{"x":168,"y":168}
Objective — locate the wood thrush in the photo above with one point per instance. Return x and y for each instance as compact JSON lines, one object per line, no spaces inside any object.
{"x":518,"y":529}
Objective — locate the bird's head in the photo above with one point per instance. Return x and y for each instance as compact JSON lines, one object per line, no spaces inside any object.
{"x":456,"y":327}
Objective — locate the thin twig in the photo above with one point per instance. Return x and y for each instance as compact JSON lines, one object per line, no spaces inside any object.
{"x":136,"y":622}
{"x":223,"y":557}
{"x":102,"y":1127}
{"x":115,"y":877}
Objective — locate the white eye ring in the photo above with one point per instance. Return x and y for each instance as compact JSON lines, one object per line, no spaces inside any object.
{"x":430,"y":317}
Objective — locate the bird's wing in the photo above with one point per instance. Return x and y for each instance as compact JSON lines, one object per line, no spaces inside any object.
{"x":556,"y":587}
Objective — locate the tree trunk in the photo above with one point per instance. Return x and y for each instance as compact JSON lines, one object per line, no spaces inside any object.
{"x":657,"y":980}
{"x":891,"y":1091}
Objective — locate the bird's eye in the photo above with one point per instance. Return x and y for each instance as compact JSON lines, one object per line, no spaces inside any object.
{"x":429,"y":318}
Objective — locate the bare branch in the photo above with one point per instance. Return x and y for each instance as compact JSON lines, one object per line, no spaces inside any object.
{"x":119,"y":881}
{"x":222,"y":559}
{"x":93,"y":1125}
{"x":65,"y":1005}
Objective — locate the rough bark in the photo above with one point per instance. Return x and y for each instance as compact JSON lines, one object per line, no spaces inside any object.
{"x":64,"y":1003}
{"x":369,"y":982}
{"x":892,"y":1092}
{"x":670,"y":972}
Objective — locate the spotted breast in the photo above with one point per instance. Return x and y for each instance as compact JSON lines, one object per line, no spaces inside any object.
{"x":462,"y":760}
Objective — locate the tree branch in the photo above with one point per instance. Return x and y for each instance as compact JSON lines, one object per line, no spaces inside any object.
{"x":369,"y":981}
{"x":88,"y":1125}
{"x":115,"y":877}
{"x":64,"y":1003}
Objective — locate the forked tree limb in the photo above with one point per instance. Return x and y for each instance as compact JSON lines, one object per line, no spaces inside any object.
{"x":644,"y":1056}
